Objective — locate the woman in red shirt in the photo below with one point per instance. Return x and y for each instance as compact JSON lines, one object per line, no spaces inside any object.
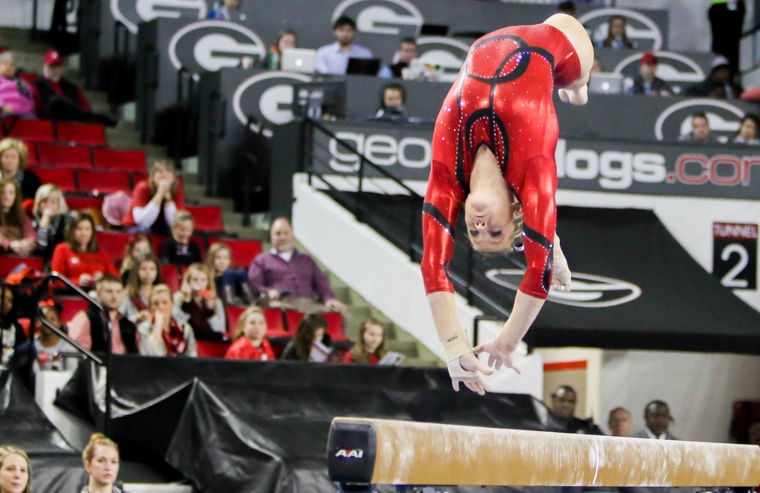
{"x":370,"y":348}
{"x":156,"y":200}
{"x":79,"y":257}
{"x":250,"y":337}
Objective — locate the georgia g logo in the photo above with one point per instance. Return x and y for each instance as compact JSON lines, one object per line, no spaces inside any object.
{"x":132,"y":12}
{"x":395,"y":17}
{"x":267,"y":97}
{"x":722,"y":116}
{"x":640,"y":28}
{"x":445,"y":52}
{"x":589,"y":291}
{"x":213,"y":45}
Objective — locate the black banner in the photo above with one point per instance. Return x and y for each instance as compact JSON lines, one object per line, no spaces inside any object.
{"x":735,"y":255}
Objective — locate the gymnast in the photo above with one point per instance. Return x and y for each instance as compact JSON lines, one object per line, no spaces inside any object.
{"x":493,"y":151}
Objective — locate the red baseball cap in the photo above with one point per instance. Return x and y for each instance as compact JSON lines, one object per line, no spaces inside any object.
{"x":53,"y":57}
{"x":648,"y":57}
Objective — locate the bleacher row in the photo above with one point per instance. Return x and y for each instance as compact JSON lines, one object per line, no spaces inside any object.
{"x":76,"y":158}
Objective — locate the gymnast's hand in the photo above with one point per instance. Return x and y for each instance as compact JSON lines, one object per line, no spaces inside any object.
{"x":562,"y":278}
{"x":469,"y":371}
{"x":500,"y":352}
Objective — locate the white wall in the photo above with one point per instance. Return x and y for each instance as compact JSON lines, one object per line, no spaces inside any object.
{"x":18,"y":13}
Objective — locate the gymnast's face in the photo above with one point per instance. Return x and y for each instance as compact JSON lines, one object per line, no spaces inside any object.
{"x":489,"y":223}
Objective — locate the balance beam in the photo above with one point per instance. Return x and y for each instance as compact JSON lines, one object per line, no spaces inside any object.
{"x":378,"y":451}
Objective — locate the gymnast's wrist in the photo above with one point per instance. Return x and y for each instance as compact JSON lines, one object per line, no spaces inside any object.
{"x":456,"y":345}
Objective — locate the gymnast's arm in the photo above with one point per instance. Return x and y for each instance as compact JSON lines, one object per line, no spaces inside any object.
{"x":440,"y":210}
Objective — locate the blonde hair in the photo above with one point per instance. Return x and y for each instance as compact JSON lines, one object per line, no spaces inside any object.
{"x":240,"y":328}
{"x":9,"y":143}
{"x":45,"y":192}
{"x":159,"y":289}
{"x":203,"y":269}
{"x":211,"y":255}
{"x":97,"y":440}
{"x":8,"y":450}
{"x":183,"y":215}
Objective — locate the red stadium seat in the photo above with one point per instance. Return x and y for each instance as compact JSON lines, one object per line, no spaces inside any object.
{"x":34,"y":130}
{"x":10,"y":262}
{"x":78,"y":203}
{"x":71,"y":305}
{"x":233,"y":314}
{"x":82,"y":133}
{"x":242,"y":252}
{"x":63,"y":178}
{"x":335,"y":326}
{"x":64,"y":156}
{"x":29,"y":77}
{"x":292,"y":319}
{"x":31,"y":156}
{"x":121,"y":159}
{"x":209,"y":349}
{"x":208,"y":218}
{"x":113,"y":243}
{"x":170,"y":274}
{"x":100,"y":182}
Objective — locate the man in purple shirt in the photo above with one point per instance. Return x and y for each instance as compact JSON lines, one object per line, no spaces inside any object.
{"x":284,"y":272}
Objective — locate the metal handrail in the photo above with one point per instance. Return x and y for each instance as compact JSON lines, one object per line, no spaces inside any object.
{"x":87,"y":353}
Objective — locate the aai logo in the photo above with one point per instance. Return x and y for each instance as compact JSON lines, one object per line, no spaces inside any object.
{"x":213,"y":45}
{"x":675,"y":120}
{"x":266,"y":98}
{"x":395,"y":17}
{"x":640,"y":29}
{"x":589,"y":291}
{"x":132,"y":12}
{"x":449,"y":54}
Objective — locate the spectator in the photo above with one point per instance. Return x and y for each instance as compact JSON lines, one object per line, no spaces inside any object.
{"x":15,"y":470}
{"x":88,"y":327}
{"x":719,"y":84}
{"x":17,"y":97}
{"x":137,"y":248}
{"x":156,"y":200}
{"x":48,"y":345}
{"x":101,"y":461}
{"x":311,"y":342}
{"x":700,"y":130}
{"x":162,"y":335}
{"x":179,"y":250}
{"x":197,"y":304}
{"x":747,"y":133}
{"x":250,"y":337}
{"x":617,"y":35}
{"x":392,"y":99}
{"x":17,"y":233}
{"x":145,"y":274}
{"x":647,"y":82}
{"x":333,"y":58}
{"x":13,"y":162}
{"x":231,"y":282}
{"x":619,"y":422}
{"x":226,"y":10}
{"x":11,"y":333}
{"x":726,"y":23}
{"x":563,"y":405}
{"x":285,"y":272}
{"x":79,"y":258}
{"x":407,"y":51}
{"x":61,"y":99}
{"x":657,"y":417}
{"x":286,"y":39}
{"x":370,"y":348}
{"x":51,"y":218}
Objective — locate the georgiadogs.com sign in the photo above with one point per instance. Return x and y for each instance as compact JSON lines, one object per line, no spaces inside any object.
{"x":720,"y":171}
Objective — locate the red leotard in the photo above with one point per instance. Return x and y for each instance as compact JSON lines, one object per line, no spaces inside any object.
{"x":502,"y":99}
